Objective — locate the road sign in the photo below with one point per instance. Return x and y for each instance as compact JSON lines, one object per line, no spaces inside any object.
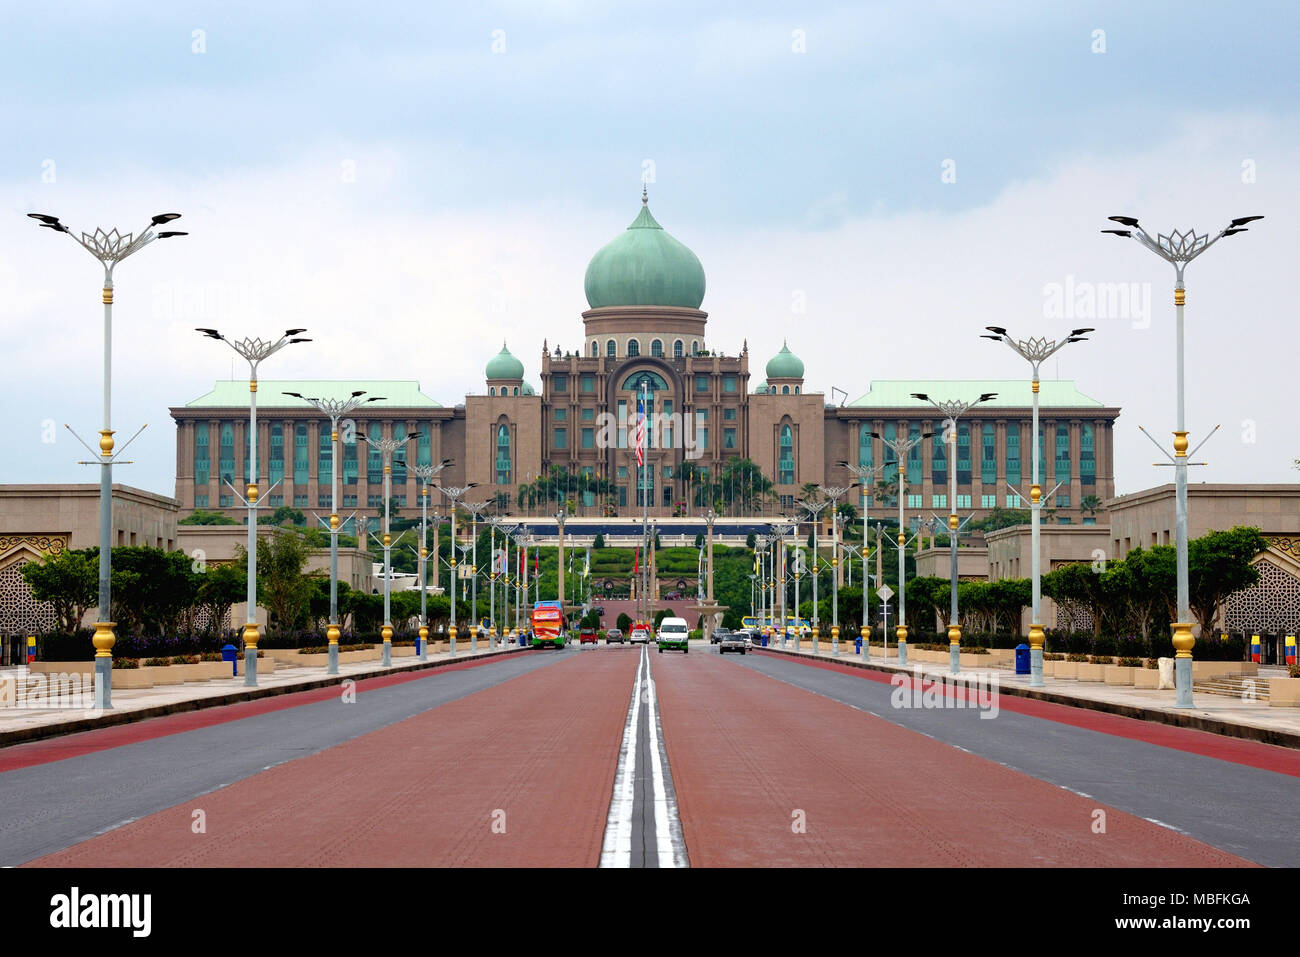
{"x":884,"y":593}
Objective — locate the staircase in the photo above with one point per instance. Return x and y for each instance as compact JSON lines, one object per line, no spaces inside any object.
{"x":1234,"y":686}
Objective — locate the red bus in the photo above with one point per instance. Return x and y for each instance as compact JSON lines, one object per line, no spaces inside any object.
{"x":548,"y":624}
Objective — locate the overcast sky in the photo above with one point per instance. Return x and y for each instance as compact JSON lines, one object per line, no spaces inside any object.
{"x":416,"y":182}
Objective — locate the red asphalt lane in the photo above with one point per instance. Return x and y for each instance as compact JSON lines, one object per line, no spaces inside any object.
{"x":1255,"y":754}
{"x":115,"y":736}
{"x":762,"y":782}
{"x":519,"y":774}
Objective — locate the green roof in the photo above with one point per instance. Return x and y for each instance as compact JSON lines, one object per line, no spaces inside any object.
{"x":398,"y":394}
{"x":1012,"y":394}
{"x":644,"y":266}
{"x":784,"y":365}
{"x":504,"y":365}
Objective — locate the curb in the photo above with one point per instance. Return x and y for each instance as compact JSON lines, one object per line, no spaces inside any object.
{"x":1195,"y":722}
{"x":114,"y":718}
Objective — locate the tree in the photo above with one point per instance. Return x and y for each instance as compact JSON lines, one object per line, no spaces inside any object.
{"x":624,"y":621}
{"x":220,"y":587}
{"x":284,"y":515}
{"x":205,"y":517}
{"x":1090,"y":505}
{"x":1220,"y":564}
{"x":1010,"y":597}
{"x":69,"y":581}
{"x":281,"y":585}
{"x":1002,"y":518}
{"x":599,"y":541}
{"x":152,"y":588}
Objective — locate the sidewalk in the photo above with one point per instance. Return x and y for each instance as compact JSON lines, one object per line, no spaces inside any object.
{"x":1218,"y":714}
{"x":20,"y":724}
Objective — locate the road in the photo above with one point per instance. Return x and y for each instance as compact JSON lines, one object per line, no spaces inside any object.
{"x":624,"y":757}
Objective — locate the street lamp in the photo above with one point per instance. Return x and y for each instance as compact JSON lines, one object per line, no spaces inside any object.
{"x":901,"y":447}
{"x":109,"y":248}
{"x":454,"y":493}
{"x":476,"y":509}
{"x":833,"y":493}
{"x":254,"y":351}
{"x":814,"y":510}
{"x":866,"y":475}
{"x":336,"y":409}
{"x":386,"y":449}
{"x":953,"y":409}
{"x":425,"y":474}
{"x":495,"y":522}
{"x":1036,"y":351}
{"x":1178,"y":249}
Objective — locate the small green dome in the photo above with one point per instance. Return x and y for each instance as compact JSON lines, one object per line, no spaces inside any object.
{"x":527,"y":390}
{"x":785,"y":365}
{"x":503,"y":365}
{"x":644,"y":267}
{"x":761,"y":388}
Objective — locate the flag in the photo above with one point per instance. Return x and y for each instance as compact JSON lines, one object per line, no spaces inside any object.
{"x":640,"y":433}
{"x":636,"y":561}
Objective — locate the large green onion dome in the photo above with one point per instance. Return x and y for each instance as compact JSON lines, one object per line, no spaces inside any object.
{"x":504,"y":365}
{"x":785,"y":365}
{"x":644,"y":266}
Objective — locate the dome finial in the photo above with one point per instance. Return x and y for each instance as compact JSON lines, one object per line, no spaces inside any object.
{"x":645,"y":197}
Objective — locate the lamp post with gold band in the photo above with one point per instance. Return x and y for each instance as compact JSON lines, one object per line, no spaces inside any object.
{"x":425,"y":474}
{"x":476,"y":510}
{"x":336,"y":409}
{"x":953,"y":409}
{"x":386,"y":447}
{"x":109,"y":248}
{"x":833,"y":493}
{"x":901,"y":447}
{"x":253,"y":351}
{"x":1036,"y":351}
{"x":454,"y":493}
{"x":866,"y":478}
{"x":1178,"y":249}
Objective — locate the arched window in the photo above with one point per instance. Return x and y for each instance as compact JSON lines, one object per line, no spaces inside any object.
{"x":796,"y":390}
{"x":516,"y":390}
{"x":785,"y":464}
{"x":611,"y":348}
{"x":595,"y":349}
{"x":657,"y":347}
{"x":695,"y":348}
{"x":492,"y":390}
{"x":633,"y":347}
{"x":785,"y":390}
{"x":503,"y":454}
{"x":677,"y":349}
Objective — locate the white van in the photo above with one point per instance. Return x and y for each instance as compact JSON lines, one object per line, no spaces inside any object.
{"x":674,"y":634}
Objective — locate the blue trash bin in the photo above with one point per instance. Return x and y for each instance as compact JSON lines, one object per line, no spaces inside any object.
{"x":231,"y":653}
{"x":1022,"y":659}
{"x":857,"y":645}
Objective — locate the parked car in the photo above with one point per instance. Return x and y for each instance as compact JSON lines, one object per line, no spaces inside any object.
{"x":674,"y":634}
{"x":615,"y":635}
{"x":737,"y":641}
{"x":718,"y":635}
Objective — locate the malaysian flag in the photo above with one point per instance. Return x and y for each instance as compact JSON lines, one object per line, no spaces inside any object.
{"x":640,"y":432}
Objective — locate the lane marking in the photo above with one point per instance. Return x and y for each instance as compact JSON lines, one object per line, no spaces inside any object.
{"x":669,"y":843}
{"x":616,"y":851}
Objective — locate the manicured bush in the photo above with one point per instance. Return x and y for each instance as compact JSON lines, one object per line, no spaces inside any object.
{"x":210,"y":656}
{"x":157,"y":662}
{"x":695,"y":635}
{"x":57,"y":646}
{"x":323,"y":649}
{"x":1076,"y":657}
{"x":1101,"y":660}
{"x":185,"y":659}
{"x":1130,"y":662}
{"x":126,"y":664}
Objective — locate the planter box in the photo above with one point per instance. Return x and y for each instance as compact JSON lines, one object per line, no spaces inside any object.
{"x":285,"y":656}
{"x":1284,"y":692}
{"x":164,"y":674}
{"x":403,"y":652}
{"x":374,"y":654}
{"x":196,"y":672}
{"x":265,"y":666}
{"x":1209,"y":669}
{"x":1148,"y":678}
{"x":133,"y":677}
{"x":1049,"y":668}
{"x":983,"y":662}
{"x":1091,"y":672}
{"x":1119,"y":674}
{"x":1066,"y":669}
{"x":61,"y":667}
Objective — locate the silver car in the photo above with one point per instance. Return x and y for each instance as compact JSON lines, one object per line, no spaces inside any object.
{"x":734,"y":641}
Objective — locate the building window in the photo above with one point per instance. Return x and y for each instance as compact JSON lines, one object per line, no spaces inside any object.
{"x":374,"y":501}
{"x":324,"y":456}
{"x":1087,"y":456}
{"x":301,"y":456}
{"x":1013,"y":501}
{"x":963,"y":454}
{"x":677,"y":349}
{"x":561,"y":439}
{"x":785,"y":464}
{"x":785,"y":390}
{"x":399,"y":454}
{"x":1062,"y":520}
{"x":695,"y":347}
{"x":645,"y":483}
{"x":1090,"y":521}
{"x":963,"y":501}
{"x":622,"y":424}
{"x":988,"y":456}
{"x":701,"y":383}
{"x":560,"y":382}
{"x":728,"y":438}
{"x":938,"y":460}
{"x":588,"y":415}
{"x":200,"y":501}
{"x":728,"y":383}
{"x":704,"y":439}
{"x":633,"y":347}
{"x":729,"y":414}
{"x":796,"y":390}
{"x":277,"y":501}
{"x":224,"y":501}
{"x":300,"y":501}
{"x":424,"y":451}
{"x":1062,"y":453}
{"x":1062,"y":500}
{"x":988,"y":501}
{"x":492,"y":390}
{"x":890,"y":471}
{"x":559,"y":414}
{"x":913,"y":500}
{"x":588,"y":438}
{"x":588,"y":383}
{"x":503,"y":454}
{"x":914,"y":457}
{"x":866,"y":455}
{"x":202,"y":455}
{"x":622,"y":472}
{"x":1013,"y":456}
{"x":350,"y":501}
{"x":595,"y":349}
{"x":622,"y":496}
{"x":374,"y":458}
{"x":611,"y":348}
{"x":702,"y":415}
{"x":939,"y":500}
{"x":226,"y":464}
{"x":275,"y":468}
{"x":657,"y":347}
{"x":351,"y":468}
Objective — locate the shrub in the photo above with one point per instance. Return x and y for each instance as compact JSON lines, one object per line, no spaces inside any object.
{"x":126,"y":664}
{"x":57,"y":646}
{"x":1105,"y":646}
{"x":1076,"y":657}
{"x":1293,"y":671}
{"x":1152,"y":664}
{"x":695,"y":635}
{"x":1130,"y":662}
{"x":1101,"y":660}
{"x":185,"y":659}
{"x":1047,"y":657}
{"x":157,"y":662}
{"x":210,"y":656}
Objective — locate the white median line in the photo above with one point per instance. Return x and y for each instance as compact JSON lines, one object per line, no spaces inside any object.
{"x":669,"y":845}
{"x":617,"y":848}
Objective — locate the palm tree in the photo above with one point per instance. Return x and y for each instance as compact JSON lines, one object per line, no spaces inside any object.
{"x":1090,"y":505}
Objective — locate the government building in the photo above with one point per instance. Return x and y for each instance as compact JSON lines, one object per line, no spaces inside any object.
{"x":646,"y":348}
